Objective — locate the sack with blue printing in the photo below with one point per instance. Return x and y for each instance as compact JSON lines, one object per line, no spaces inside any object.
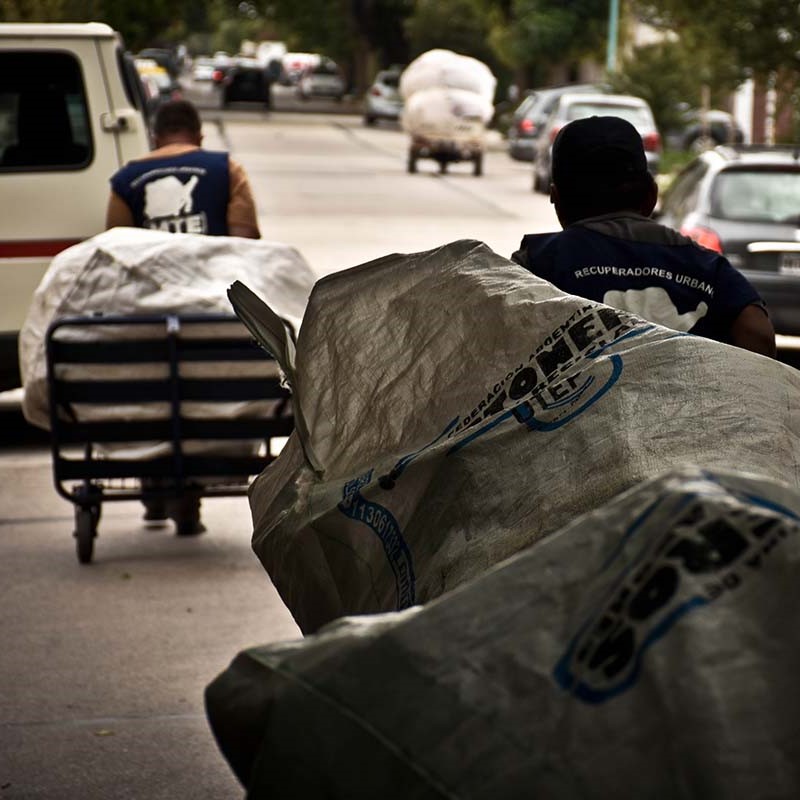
{"x":647,"y":650}
{"x":453,"y":409}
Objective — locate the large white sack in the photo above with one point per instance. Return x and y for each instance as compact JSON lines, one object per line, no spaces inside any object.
{"x":648,"y":650}
{"x":452,"y":409}
{"x":139,"y":271}
{"x":445,"y":69}
{"x":452,"y":114}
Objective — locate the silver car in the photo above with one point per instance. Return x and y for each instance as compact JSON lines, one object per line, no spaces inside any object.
{"x":382,"y":100}
{"x":579,"y":106}
{"x":323,"y":80}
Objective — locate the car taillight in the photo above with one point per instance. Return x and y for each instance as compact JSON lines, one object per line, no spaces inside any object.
{"x":652,"y":142}
{"x":705,"y":237}
{"x":217,"y":75}
{"x":175,"y":94}
{"x":554,"y":132}
{"x":527,"y":126}
{"x":376,"y":92}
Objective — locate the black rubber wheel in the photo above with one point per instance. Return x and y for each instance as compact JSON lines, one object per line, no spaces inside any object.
{"x":85,"y":532}
{"x":477,"y":165}
{"x":442,"y":167}
{"x":412,"y":161}
{"x":369,"y":121}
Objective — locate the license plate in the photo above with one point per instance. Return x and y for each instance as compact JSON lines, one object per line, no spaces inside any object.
{"x":790,"y":263}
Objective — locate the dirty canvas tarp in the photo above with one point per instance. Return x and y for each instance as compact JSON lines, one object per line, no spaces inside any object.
{"x":137,"y":271}
{"x":455,"y":409}
{"x":649,"y":649}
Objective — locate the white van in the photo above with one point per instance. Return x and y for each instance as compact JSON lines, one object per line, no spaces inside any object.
{"x":71,"y":114}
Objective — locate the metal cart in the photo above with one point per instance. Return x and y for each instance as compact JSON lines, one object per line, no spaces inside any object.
{"x":162,"y":365}
{"x":447,"y":151}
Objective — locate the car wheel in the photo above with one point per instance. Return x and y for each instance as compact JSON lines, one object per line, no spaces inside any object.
{"x":477,"y":165}
{"x":369,"y":121}
{"x":412,"y":161}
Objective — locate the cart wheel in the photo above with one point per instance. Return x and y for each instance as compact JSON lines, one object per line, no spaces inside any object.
{"x":85,"y":531}
{"x":412,"y":161}
{"x":477,"y":165}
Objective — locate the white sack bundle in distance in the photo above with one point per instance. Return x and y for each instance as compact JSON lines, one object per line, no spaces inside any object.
{"x":444,"y":69}
{"x":452,"y":114}
{"x":138,"y":271}
{"x":452,"y":409}
{"x":648,"y":650}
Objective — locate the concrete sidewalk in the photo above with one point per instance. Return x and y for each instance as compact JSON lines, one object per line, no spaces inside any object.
{"x":103,"y":667}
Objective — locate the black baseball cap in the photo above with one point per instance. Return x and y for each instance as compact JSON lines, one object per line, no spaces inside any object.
{"x":604,"y":147}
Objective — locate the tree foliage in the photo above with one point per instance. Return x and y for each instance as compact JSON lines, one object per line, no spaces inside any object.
{"x":670,"y":76}
{"x":762,"y":36}
{"x":141,"y":22}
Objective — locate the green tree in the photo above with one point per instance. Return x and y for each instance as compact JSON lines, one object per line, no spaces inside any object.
{"x":761,"y":37}
{"x":141,"y":22}
{"x":670,"y":76}
{"x":361,"y":35}
{"x":532,"y":35}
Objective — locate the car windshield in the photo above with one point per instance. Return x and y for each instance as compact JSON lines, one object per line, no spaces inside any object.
{"x":636,"y":115}
{"x":765,"y":195}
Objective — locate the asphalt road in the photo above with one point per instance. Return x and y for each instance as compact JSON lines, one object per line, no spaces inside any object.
{"x":103,"y":666}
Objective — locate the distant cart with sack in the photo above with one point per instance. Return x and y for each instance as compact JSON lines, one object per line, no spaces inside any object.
{"x":447,"y":105}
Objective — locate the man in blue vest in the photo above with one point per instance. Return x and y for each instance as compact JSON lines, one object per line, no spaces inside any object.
{"x":180,"y":187}
{"x":612,"y":252}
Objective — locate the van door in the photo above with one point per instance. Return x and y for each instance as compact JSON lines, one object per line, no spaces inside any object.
{"x":61,"y":138}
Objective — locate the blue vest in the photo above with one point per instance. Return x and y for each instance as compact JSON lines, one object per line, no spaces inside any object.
{"x":630,"y":262}
{"x":187,"y":193}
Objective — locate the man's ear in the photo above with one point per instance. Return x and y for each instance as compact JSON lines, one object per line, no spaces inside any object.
{"x":651,"y":198}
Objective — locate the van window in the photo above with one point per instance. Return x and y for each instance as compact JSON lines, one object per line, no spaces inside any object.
{"x":44,"y":121}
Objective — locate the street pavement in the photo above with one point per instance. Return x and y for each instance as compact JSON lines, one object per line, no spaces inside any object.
{"x":103,"y":666}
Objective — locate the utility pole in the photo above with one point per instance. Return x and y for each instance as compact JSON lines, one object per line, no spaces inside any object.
{"x":613,"y":25}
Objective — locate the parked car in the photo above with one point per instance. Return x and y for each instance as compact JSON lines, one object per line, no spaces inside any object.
{"x":323,"y":80}
{"x":698,"y":131}
{"x":71,"y":114}
{"x":744,"y":202}
{"x":156,"y":77}
{"x":383,"y":100}
{"x":246,"y":80}
{"x":571,"y":106}
{"x":164,"y":58}
{"x":295,"y":65}
{"x":531,"y":115}
{"x":203,"y":69}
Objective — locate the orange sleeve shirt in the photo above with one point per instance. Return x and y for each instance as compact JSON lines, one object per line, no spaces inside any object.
{"x":241,"y":216}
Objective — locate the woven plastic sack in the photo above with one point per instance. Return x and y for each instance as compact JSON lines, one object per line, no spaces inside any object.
{"x":452,"y":114}
{"x":138,"y":271}
{"x":436,"y":69}
{"x":452,"y":409}
{"x":649,"y":649}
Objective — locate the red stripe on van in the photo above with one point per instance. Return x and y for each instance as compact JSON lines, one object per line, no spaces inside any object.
{"x":34,"y":248}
